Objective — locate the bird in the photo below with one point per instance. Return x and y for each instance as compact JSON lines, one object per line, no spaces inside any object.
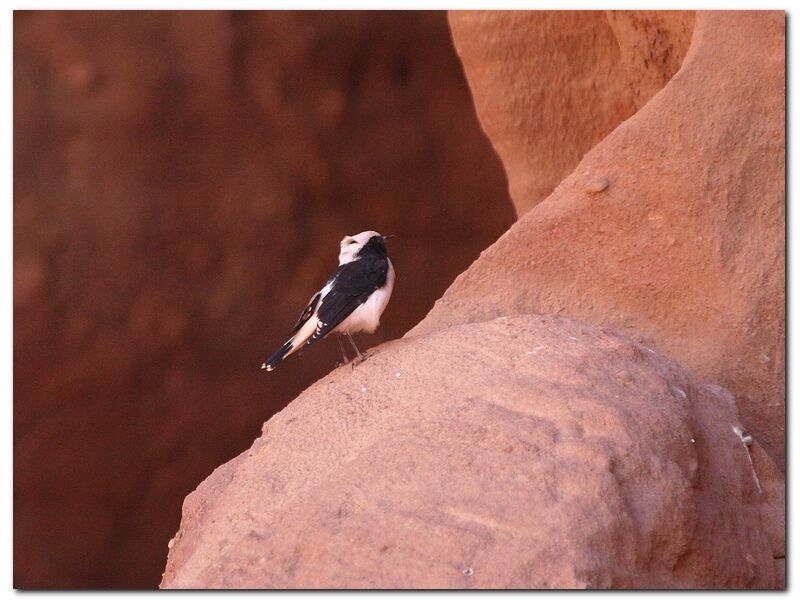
{"x":352,"y":300}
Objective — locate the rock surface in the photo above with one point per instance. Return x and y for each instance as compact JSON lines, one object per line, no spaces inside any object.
{"x":550,"y":85}
{"x":521,"y":452}
{"x":684,"y":248}
{"x":181,"y":183}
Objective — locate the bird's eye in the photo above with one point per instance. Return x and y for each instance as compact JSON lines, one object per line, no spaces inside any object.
{"x":351,"y":242}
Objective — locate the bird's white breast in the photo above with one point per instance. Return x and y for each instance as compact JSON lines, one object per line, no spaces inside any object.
{"x":367,"y":317}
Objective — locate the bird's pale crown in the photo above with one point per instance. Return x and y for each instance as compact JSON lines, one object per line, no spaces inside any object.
{"x":351,"y":244}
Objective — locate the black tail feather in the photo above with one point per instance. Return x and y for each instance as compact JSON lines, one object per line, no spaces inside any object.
{"x":276,"y":358}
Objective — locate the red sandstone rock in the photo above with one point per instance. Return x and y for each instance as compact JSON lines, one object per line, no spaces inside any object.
{"x":521,"y":452}
{"x":535,"y":451}
{"x":550,"y":85}
{"x":532,"y":451}
{"x":685,"y":248}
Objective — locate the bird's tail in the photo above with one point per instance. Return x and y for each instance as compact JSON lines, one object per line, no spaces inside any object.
{"x":276,"y":358}
{"x":291,"y":345}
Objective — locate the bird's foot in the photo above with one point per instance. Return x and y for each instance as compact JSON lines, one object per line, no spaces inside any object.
{"x":360,"y":358}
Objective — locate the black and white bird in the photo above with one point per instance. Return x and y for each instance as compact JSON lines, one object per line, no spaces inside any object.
{"x":352,"y":300}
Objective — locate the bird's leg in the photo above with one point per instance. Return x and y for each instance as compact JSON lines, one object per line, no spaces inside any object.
{"x":358,"y":352}
{"x":345,"y":359}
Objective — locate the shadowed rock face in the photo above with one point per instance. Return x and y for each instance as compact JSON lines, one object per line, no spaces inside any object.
{"x":181,"y":183}
{"x":521,"y":452}
{"x":671,"y":229}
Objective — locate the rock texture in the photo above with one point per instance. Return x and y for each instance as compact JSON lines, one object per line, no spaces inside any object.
{"x":181,"y":182}
{"x":681,"y":244}
{"x":550,"y":85}
{"x":521,"y":452}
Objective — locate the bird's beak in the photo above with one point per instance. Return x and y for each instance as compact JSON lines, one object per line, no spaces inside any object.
{"x":388,"y":237}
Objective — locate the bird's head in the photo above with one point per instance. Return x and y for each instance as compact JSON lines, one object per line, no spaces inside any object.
{"x":352,"y":245}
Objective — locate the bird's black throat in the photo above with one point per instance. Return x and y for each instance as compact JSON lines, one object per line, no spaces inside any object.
{"x":375,"y":247}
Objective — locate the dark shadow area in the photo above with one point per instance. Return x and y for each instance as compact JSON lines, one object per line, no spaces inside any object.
{"x":181,"y":182}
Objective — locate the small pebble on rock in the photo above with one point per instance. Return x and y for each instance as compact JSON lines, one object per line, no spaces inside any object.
{"x":597,"y":184}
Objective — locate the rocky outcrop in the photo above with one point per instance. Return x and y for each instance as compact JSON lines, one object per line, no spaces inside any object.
{"x":494,"y":448}
{"x":164,"y":190}
{"x":550,"y":85}
{"x":671,"y":229}
{"x":520,"y":452}
{"x":181,"y":183}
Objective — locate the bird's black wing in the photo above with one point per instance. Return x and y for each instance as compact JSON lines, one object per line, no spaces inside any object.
{"x":353,"y":284}
{"x":307,"y":312}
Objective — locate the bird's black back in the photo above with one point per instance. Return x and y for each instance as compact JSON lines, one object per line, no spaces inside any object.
{"x":353,"y":284}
